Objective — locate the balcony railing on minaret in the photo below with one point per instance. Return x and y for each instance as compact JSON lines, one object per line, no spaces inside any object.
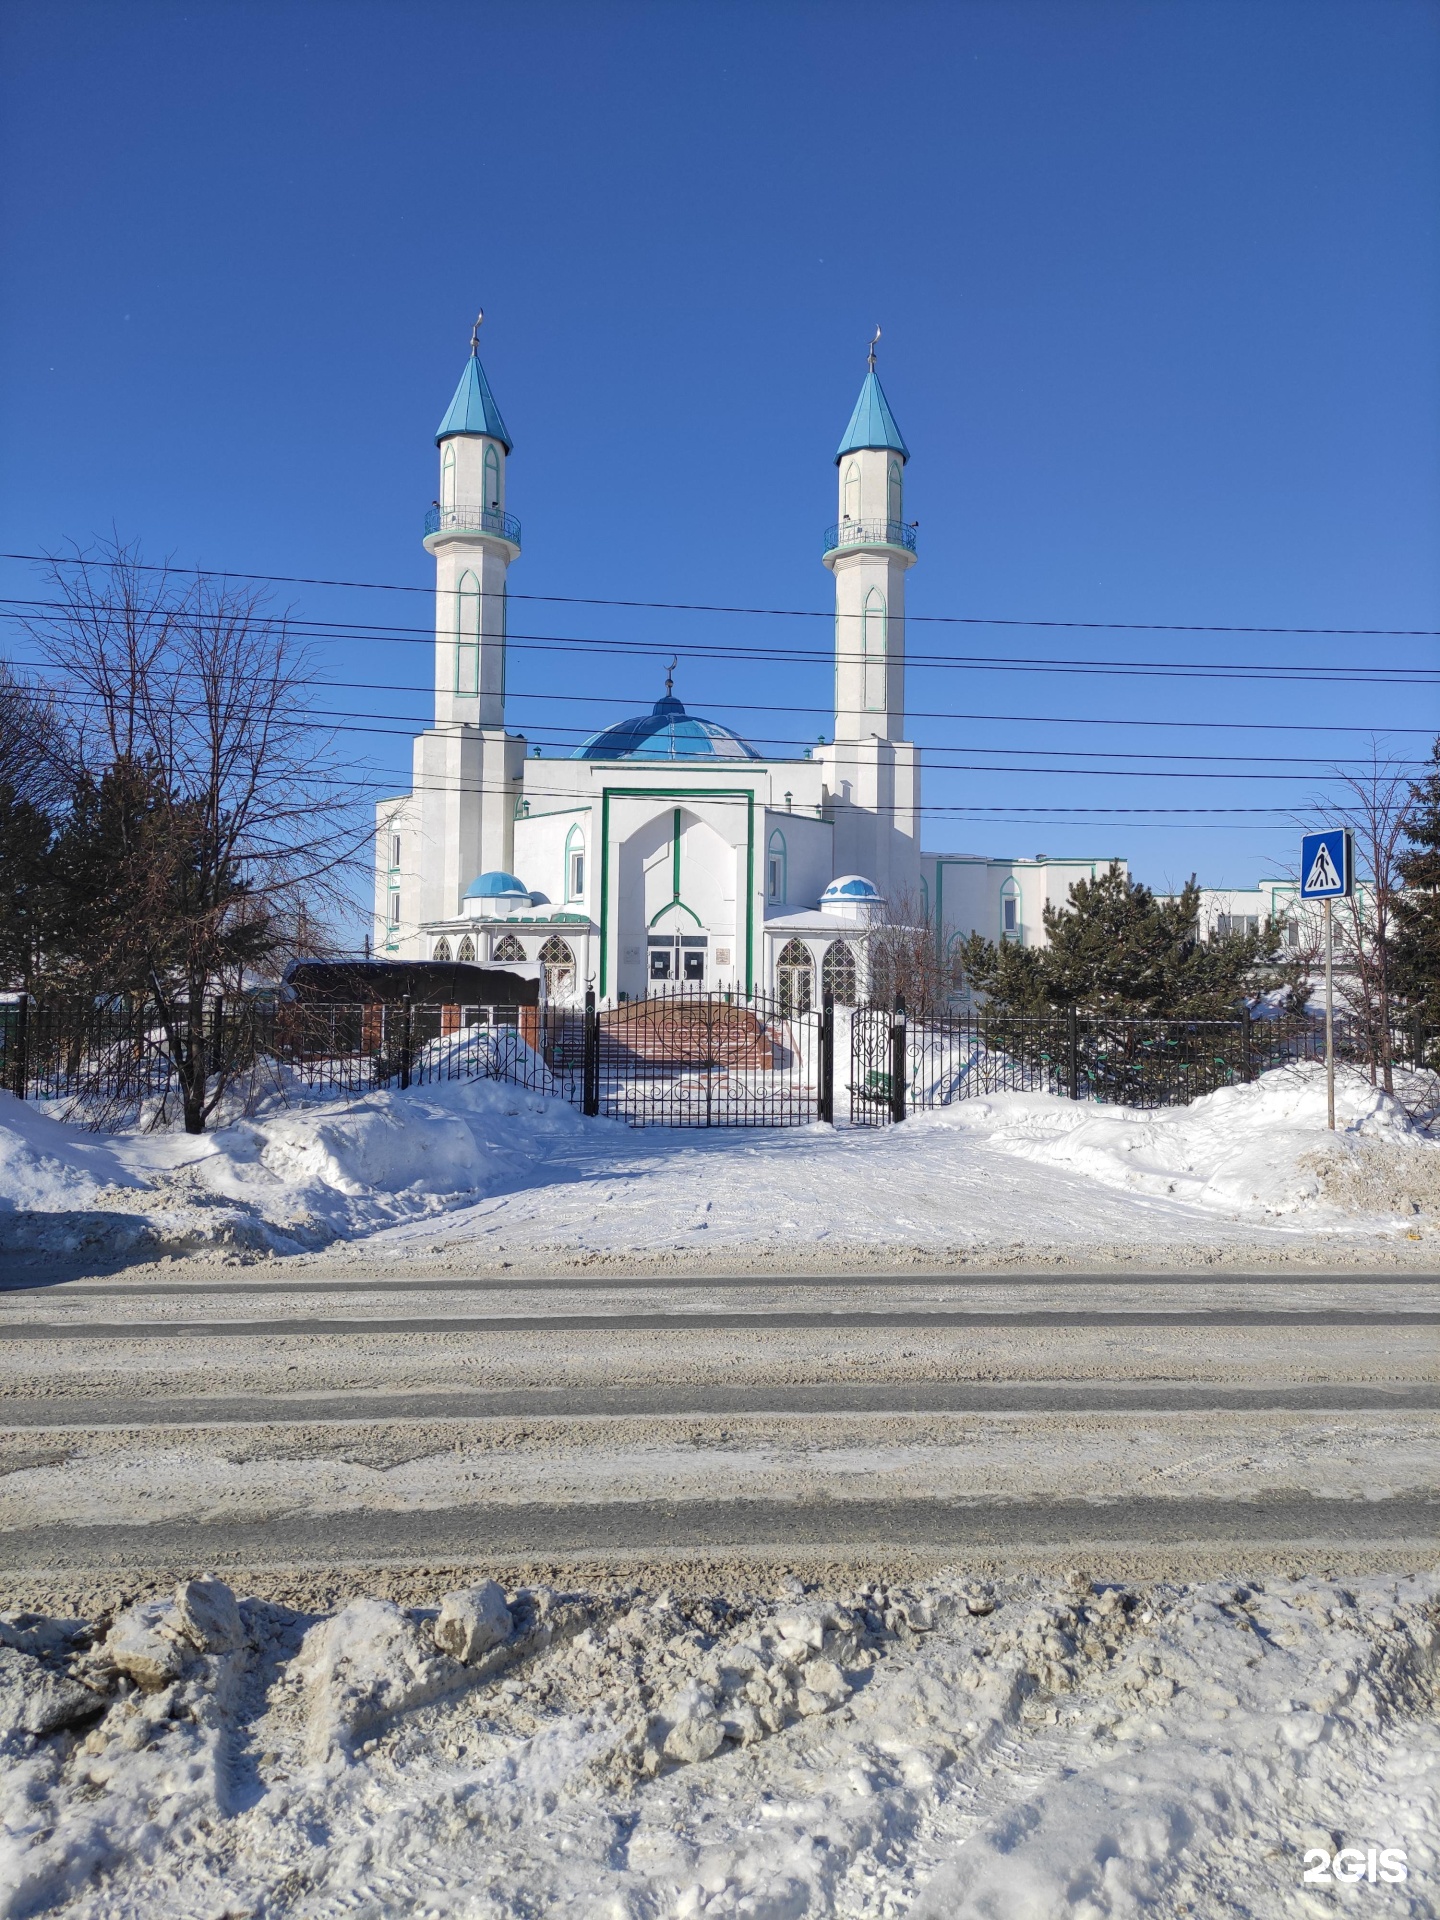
{"x":870,"y":533}
{"x":473,"y":520}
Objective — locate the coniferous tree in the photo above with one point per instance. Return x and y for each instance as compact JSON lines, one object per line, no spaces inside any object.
{"x":1417,"y":909}
{"x":207,"y":812}
{"x":1117,"y":949}
{"x":26,"y":888}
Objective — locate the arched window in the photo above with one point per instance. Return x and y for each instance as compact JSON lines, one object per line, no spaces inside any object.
{"x":466,"y":949}
{"x":795,"y":977}
{"x":837,"y":973}
{"x":559,"y":964}
{"x":924,"y":901}
{"x":507,"y":949}
{"x":894,"y":494}
{"x":447,"y":477}
{"x":492,"y":478}
{"x":851,"y":491}
{"x":1010,"y":927}
{"x":777,"y":861}
{"x":872,"y":650}
{"x":954,"y":971}
{"x":442,"y":949}
{"x":467,"y":635}
{"x":575,"y":864}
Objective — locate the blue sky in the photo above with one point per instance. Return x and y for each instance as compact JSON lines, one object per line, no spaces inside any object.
{"x":1160,"y":290}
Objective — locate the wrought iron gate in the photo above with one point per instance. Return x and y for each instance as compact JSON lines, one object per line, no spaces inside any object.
{"x":879,"y":1077}
{"x":698,"y":1059}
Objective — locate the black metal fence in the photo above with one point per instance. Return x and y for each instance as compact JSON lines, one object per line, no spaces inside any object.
{"x":687,"y":1058}
{"x":899,"y":1066}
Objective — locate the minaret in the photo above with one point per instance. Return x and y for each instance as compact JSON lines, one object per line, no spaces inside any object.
{"x":466,"y":767}
{"x":873,"y":772}
{"x":473,"y":540}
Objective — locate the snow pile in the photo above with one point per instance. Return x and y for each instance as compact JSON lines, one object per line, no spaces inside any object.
{"x":298,"y":1175}
{"x":1256,"y":1147}
{"x":49,"y":1166}
{"x":970,"y":1750}
{"x":510,"y":1171}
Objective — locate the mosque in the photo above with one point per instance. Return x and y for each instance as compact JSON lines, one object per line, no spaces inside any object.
{"x":666,"y":850}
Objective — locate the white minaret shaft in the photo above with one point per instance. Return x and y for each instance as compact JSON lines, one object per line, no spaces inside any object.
{"x":873,"y":772}
{"x":473,"y":540}
{"x":870,"y":550}
{"x":466,"y":766}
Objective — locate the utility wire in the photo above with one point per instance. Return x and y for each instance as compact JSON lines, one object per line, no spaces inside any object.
{"x":787,"y":613}
{"x":913,"y":713}
{"x":348,"y":720}
{"x":965,"y":663}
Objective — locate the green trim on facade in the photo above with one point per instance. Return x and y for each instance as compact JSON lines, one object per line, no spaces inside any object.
{"x":747,"y":794}
{"x":669,"y":907}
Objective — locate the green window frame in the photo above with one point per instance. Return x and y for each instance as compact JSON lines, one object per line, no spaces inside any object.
{"x":492,"y":478}
{"x":575,"y":864}
{"x":777,"y":868}
{"x":894,"y":492}
{"x":850,"y":492}
{"x":447,"y":475}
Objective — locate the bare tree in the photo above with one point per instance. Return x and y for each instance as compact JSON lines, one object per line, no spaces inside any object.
{"x":907,"y":960}
{"x":1375,"y":805}
{"x":36,"y":753}
{"x":212,"y":821}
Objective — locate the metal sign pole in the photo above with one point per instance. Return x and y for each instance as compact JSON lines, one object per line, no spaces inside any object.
{"x":1329,"y":1016}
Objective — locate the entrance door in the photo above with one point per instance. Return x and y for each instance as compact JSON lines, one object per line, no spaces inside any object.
{"x":677,"y":959}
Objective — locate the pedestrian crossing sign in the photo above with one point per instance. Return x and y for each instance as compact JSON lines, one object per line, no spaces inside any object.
{"x":1325,"y":865}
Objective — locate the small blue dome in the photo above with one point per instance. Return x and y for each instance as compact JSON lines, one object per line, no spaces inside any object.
{"x":667,"y":732}
{"x":851,"y":887}
{"x":497,"y":886}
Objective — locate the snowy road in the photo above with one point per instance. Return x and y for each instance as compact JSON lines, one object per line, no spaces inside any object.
{"x":851,"y":1396}
{"x":149,"y":1425}
{"x":952,"y":1319}
{"x":654,"y":1531}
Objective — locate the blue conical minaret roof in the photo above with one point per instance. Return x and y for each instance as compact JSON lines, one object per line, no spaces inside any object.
{"x":872,"y":424}
{"x":473,"y":410}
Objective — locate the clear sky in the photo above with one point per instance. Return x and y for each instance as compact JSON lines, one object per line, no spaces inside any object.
{"x":1160,"y":289}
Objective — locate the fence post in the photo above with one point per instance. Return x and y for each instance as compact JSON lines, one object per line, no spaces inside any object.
{"x":1072,"y":1046}
{"x":898,"y":1061}
{"x":217,"y":1034}
{"x":825,"y":1103}
{"x":1245,"y":1066}
{"x":590,"y":1058}
{"x":20,"y":1035}
{"x":406,"y":1036}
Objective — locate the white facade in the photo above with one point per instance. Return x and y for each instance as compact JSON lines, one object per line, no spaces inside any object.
{"x":665,"y":850}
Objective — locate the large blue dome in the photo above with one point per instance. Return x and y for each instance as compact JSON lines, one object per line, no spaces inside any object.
{"x":667,"y":732}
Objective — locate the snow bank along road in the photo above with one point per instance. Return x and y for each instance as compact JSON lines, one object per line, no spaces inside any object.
{"x":281,"y":1427}
{"x":959,"y":1749}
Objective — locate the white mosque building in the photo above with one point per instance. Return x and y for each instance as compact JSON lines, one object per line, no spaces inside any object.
{"x":666,"y":850}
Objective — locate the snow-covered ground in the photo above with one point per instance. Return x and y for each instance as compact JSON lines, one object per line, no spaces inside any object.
{"x":1022,"y":1750}
{"x":484,"y":1165}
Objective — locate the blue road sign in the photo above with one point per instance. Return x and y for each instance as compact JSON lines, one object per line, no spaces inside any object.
{"x":1326,"y":865}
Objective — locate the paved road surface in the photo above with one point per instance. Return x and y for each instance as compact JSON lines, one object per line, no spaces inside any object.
{"x":1059,"y":1362}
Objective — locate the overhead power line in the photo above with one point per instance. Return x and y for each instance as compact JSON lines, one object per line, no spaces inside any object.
{"x":1312,"y":675}
{"x":403,"y":726}
{"x":783,"y":613}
